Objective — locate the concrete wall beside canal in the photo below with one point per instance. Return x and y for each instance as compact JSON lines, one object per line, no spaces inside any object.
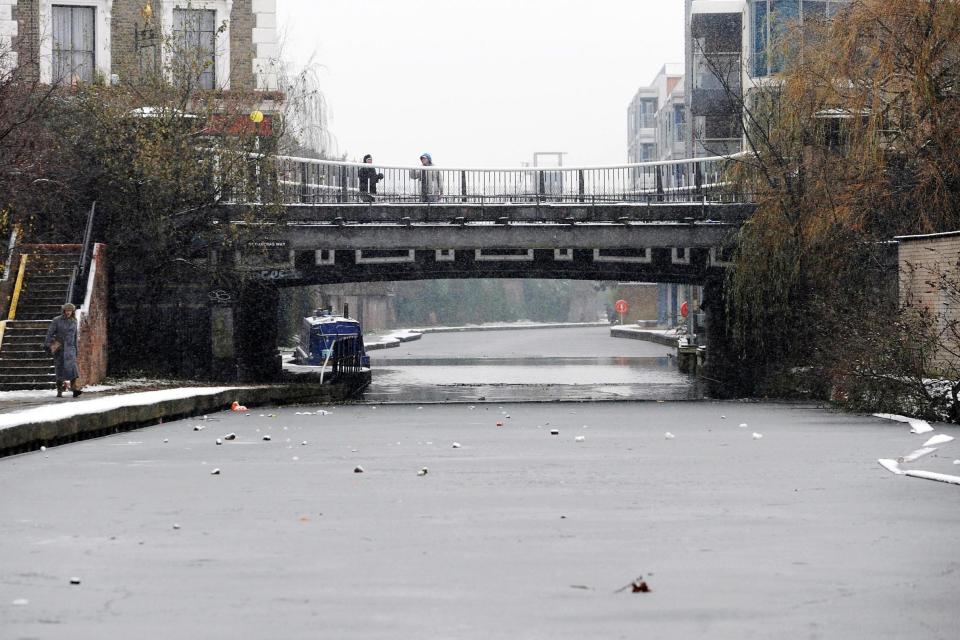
{"x":29,"y":430}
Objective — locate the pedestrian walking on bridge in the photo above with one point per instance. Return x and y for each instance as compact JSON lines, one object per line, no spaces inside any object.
{"x":369,"y":177}
{"x":431,"y":186}
{"x":61,"y":341}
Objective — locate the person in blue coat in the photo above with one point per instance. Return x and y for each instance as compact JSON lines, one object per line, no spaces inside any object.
{"x":61,"y":341}
{"x":431,"y":184}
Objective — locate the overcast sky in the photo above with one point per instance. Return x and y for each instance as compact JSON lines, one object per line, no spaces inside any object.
{"x":482,"y":82}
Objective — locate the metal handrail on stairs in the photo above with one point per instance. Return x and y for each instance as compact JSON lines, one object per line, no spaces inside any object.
{"x":80,"y":270}
{"x":15,"y":298}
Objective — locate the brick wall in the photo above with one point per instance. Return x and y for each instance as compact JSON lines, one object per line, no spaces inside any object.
{"x":123,"y":56}
{"x":26,"y":41}
{"x":642,"y":299}
{"x":19,"y":20}
{"x":92,"y":345}
{"x":242,"y":23}
{"x":126,"y":14}
{"x":921,"y":260}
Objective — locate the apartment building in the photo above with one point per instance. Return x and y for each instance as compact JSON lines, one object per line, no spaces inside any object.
{"x":657,"y":130}
{"x":655,"y":116}
{"x":732,"y":46}
{"x":125,"y":41}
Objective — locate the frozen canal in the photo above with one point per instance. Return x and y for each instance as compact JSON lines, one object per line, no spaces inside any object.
{"x":515,"y":533}
{"x":582,"y":363}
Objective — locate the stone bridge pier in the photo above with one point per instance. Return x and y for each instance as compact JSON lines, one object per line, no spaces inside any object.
{"x":720,"y":371}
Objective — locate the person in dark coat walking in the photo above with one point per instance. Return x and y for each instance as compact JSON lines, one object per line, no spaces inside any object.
{"x":368,"y":179}
{"x":61,"y":341}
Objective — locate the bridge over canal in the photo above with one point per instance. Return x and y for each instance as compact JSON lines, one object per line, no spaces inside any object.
{"x":306,"y":222}
{"x":668,"y":221}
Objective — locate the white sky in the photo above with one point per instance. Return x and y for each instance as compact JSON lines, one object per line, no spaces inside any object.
{"x":482,"y":82}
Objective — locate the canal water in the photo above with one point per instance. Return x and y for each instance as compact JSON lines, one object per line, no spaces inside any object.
{"x":529,"y":365}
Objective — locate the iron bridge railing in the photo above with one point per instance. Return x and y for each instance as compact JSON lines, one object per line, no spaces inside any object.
{"x":307,"y":181}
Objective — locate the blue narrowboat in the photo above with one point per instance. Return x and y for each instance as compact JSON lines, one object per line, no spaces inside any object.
{"x":325,"y":338}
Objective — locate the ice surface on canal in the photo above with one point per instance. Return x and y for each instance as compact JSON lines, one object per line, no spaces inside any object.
{"x":587,"y":374}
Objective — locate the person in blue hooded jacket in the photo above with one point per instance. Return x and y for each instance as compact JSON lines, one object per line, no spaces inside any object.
{"x":431,"y":186}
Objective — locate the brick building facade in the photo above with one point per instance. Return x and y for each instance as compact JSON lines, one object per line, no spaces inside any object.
{"x":121,"y":41}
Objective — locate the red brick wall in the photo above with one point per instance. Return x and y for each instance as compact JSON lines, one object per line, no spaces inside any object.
{"x":642,"y":299}
{"x":92,"y":345}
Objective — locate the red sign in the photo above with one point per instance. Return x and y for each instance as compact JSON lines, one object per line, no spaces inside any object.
{"x":621,"y":307}
{"x":684,"y":309}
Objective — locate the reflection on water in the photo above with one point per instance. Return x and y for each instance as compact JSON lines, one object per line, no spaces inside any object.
{"x":530,"y":379}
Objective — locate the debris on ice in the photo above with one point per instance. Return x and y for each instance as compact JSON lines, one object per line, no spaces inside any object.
{"x":916,"y":455}
{"x":916,"y":426}
{"x":891,"y":465}
{"x":930,"y":475}
{"x":938,"y":439}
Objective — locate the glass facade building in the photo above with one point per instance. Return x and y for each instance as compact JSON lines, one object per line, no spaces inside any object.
{"x":770,"y":20}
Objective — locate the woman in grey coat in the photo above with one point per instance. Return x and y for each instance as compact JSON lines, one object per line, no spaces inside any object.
{"x":61,"y":340}
{"x":431,"y":184}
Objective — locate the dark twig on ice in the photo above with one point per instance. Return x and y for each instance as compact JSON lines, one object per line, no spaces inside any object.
{"x":639,"y":585}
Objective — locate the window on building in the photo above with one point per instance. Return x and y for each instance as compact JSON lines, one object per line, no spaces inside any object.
{"x":679,"y":122}
{"x":759,"y":22}
{"x":194,"y":43}
{"x":770,"y":21}
{"x":74,"y":44}
{"x":784,"y":15}
{"x":814,"y":10}
{"x":835,"y":6}
{"x":648,"y":113}
{"x":648,"y":152}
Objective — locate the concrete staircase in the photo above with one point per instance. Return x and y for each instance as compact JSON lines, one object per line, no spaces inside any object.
{"x":24,"y":364}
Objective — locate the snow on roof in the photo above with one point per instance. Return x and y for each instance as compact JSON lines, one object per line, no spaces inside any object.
{"x":927,"y":236}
